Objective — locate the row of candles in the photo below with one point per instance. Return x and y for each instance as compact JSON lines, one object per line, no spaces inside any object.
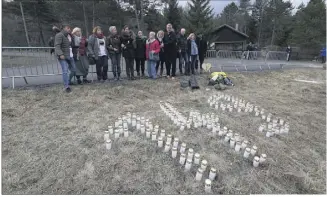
{"x":143,"y":125}
{"x":278,"y":126}
{"x":234,"y":141}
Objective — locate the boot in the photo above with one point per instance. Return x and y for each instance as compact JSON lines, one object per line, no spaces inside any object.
{"x":118,"y":78}
{"x":79,"y":81}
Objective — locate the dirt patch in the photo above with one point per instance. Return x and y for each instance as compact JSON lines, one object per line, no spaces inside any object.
{"x":52,"y":142}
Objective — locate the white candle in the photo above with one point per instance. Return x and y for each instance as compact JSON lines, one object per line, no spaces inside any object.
{"x":167,"y":148}
{"x":246,"y":152}
{"x":268,"y":134}
{"x":256,"y":161}
{"x":239,"y":110}
{"x":125,"y":132}
{"x":260,"y":128}
{"x":111,"y":130}
{"x":176,"y":141}
{"x":174,"y":152}
{"x":199,"y":174}
{"x":232,"y":142}
{"x":197,"y":158}
{"x":212,"y":174}
{"x":227,"y":138}
{"x":117,"y":133}
{"x":190,"y":154}
{"x":204,"y":121}
{"x":244,"y":144}
{"x":162,"y":133}
{"x":188,"y":164}
{"x":142,"y":120}
{"x":256,"y":113}
{"x":182,"y":159}
{"x":106,"y":135}
{"x":108,"y":144}
{"x":142,"y":129}
{"x":207,"y":186}
{"x":253,"y":150}
{"x":148,"y":133}
{"x":263,"y":117}
{"x":154,"y":136}
{"x":183,"y":147}
{"x":125,"y":124}
{"x":220,"y":133}
{"x":196,"y":124}
{"x":204,"y":164}
{"x":237,"y":137}
{"x":169,"y":138}
{"x":262,"y":158}
{"x":160,"y":142}
{"x":238,"y":147}
{"x":182,"y":127}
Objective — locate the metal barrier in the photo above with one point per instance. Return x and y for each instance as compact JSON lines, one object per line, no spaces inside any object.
{"x":253,"y":59}
{"x":276,"y":58}
{"x":230,"y":59}
{"x":211,"y":54}
{"x":25,"y":62}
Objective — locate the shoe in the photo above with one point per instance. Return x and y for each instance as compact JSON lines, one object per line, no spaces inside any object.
{"x":133,"y":78}
{"x":115,"y":79}
{"x":79,"y":82}
{"x":119,"y":79}
{"x":173,"y":78}
{"x":68,"y":90}
{"x":138,"y":75}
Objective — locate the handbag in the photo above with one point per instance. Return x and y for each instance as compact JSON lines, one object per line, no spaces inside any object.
{"x":91,"y":60}
{"x":154,"y":56}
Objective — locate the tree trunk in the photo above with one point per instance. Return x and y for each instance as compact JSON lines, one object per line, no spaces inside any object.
{"x":85,"y":20}
{"x":93,"y":15}
{"x":142,"y":19}
{"x":24,"y":22}
{"x":137,"y":18}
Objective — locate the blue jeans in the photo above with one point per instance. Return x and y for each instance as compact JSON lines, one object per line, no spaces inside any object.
{"x":67,"y":64}
{"x":183,"y":57}
{"x":152,"y":69}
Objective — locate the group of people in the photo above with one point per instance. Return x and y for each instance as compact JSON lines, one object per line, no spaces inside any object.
{"x":76,"y":52}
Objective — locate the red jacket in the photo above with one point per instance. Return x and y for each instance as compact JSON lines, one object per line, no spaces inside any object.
{"x":153,"y":46}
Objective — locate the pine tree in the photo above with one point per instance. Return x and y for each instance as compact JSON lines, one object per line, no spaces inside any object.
{"x":200,"y":17}
{"x":172,"y":14}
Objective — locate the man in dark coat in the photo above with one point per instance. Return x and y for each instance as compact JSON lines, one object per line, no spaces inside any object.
{"x":202,"y":46}
{"x":140,"y":53}
{"x":288,"y":51}
{"x":170,"y":50}
{"x":182,"y":50}
{"x":128,"y":46}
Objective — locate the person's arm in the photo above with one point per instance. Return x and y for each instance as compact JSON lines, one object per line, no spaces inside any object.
{"x":57,"y":45}
{"x":156,"y":47}
{"x":90,"y":46}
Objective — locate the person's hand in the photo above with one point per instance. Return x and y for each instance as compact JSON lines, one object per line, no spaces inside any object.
{"x":162,"y":45}
{"x":179,"y":50}
{"x":115,"y":49}
{"x":122,"y":45}
{"x":152,"y":51}
{"x":62,"y":57}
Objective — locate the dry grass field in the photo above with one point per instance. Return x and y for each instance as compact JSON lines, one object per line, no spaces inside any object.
{"x":52,"y":142}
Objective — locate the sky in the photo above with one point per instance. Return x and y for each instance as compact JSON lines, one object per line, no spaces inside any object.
{"x":218,"y":5}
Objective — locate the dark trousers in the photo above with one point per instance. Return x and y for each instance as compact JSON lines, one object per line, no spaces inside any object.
{"x":183,"y":58}
{"x":129,"y":67}
{"x":140,"y":65}
{"x":161,"y":64}
{"x":102,"y":67}
{"x":115,"y":61}
{"x":192,"y":63}
{"x":201,"y":58}
{"x":323,"y":59}
{"x":288,"y":56}
{"x":171,"y":64}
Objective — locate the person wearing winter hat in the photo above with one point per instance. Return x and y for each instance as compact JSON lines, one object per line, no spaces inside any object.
{"x":97,"y":49}
{"x":114,"y":48}
{"x":140,"y":53}
{"x":161,"y":62}
{"x":55,"y":30}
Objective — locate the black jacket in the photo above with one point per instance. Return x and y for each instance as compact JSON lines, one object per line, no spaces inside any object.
{"x":182,"y":42}
{"x":170,"y":48}
{"x":140,"y":47}
{"x":114,"y":41}
{"x":202,"y":46}
{"x":161,"y":54}
{"x":128,"y":41}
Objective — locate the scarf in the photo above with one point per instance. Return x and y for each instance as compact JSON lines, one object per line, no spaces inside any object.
{"x":100,"y":36}
{"x":82,"y":46}
{"x":149,"y":41}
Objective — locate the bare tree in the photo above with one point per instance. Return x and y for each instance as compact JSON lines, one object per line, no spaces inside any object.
{"x":24,"y":22}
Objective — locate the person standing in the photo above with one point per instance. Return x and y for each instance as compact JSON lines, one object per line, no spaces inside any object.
{"x":182,"y":50}
{"x":64,"y":52}
{"x":170,"y":51}
{"x":140,"y":53}
{"x":288,"y":51}
{"x":55,"y":30}
{"x":160,"y":36}
{"x":192,"y":51}
{"x":98,"y":50}
{"x":323,"y":55}
{"x":129,"y":45}
{"x":114,"y":48}
{"x":249,"y":48}
{"x":152,"y":54}
{"x":80,"y":55}
{"x":202,"y":46}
